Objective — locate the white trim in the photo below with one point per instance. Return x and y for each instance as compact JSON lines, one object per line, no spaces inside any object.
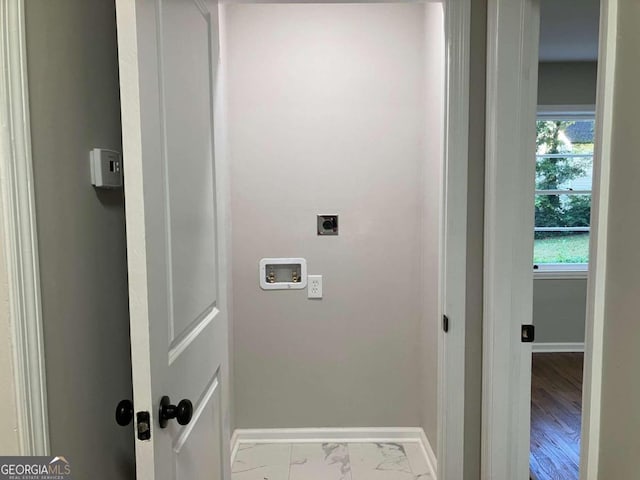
{"x":563,"y":155}
{"x":512,"y":62}
{"x":314,"y":434}
{"x":595,"y":318}
{"x":563,"y":192}
{"x":430,"y":453}
{"x":562,"y":229}
{"x":336,"y":435}
{"x":234,"y":443}
{"x":453,"y":254}
{"x":584,"y":112}
{"x":560,"y":271}
{"x":20,"y":235}
{"x":560,"y":275}
{"x":558,"y":347}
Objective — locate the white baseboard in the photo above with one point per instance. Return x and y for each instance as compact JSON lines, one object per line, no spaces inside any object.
{"x":557,"y":347}
{"x":342,"y":435}
{"x":234,"y":445}
{"x":429,"y":453}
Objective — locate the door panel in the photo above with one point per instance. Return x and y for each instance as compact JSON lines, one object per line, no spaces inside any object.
{"x":168,"y":55}
{"x":204,"y":429}
{"x":186,"y":84}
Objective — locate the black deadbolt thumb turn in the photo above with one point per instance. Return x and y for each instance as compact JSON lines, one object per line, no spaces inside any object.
{"x":124,"y":413}
{"x":182,"y":413}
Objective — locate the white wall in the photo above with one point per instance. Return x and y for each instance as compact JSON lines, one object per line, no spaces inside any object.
{"x":327,"y":110}
{"x":432,"y":192}
{"x":75,"y":106}
{"x":620,"y":422}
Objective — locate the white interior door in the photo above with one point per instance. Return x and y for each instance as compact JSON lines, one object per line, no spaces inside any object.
{"x":512,"y":74}
{"x":168,"y":56}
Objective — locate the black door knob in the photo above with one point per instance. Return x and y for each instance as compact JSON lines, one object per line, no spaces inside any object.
{"x":124,"y":413}
{"x":182,"y":413}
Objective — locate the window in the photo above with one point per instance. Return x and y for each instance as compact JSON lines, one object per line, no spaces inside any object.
{"x":564,"y":168}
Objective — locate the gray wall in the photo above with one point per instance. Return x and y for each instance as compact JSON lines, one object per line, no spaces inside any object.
{"x":620,"y":421}
{"x":74,"y":102}
{"x":567,"y":83}
{"x":559,"y":310}
{"x":475,"y":242}
{"x":342,"y":132}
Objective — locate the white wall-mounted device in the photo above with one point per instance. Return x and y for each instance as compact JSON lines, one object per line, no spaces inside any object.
{"x":314,"y":286}
{"x":106,"y":168}
{"x":283,"y":273}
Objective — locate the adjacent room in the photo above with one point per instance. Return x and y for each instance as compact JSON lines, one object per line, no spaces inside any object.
{"x":564,"y":179}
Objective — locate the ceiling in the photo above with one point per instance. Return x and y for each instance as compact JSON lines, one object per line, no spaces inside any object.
{"x":569,"y":30}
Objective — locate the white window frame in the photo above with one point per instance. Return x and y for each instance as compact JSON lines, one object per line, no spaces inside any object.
{"x":565,"y":270}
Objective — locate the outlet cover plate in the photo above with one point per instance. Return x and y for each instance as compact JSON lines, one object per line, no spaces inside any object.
{"x":314,"y":286}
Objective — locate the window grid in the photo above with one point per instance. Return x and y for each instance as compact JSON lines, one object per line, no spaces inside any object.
{"x":567,"y":193}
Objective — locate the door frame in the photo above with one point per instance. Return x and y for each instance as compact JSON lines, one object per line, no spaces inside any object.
{"x":512,"y":44}
{"x":594,"y":331}
{"x":453,"y":244}
{"x":19,"y":236}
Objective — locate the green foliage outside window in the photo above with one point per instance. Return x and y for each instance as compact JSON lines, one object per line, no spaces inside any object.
{"x":552,"y":174}
{"x":560,"y":173}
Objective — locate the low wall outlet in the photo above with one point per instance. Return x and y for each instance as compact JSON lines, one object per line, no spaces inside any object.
{"x":314,"y":286}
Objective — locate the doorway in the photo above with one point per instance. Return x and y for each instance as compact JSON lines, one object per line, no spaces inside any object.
{"x":565,"y":138}
{"x":314,"y":133}
{"x":557,"y":129}
{"x":444,"y":228}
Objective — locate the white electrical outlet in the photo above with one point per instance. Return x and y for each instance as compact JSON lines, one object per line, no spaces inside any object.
{"x":314,"y":286}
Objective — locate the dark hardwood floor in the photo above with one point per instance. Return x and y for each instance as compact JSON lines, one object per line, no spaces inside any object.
{"x":556,"y":410}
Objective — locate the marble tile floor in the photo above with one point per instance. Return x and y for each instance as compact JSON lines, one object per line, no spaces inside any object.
{"x":330,"y":461}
